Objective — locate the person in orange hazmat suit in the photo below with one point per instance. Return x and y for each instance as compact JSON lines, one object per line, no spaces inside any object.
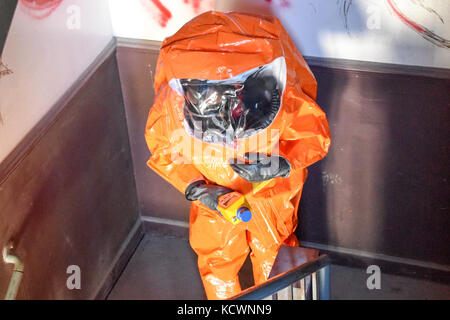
{"x":235,"y":111}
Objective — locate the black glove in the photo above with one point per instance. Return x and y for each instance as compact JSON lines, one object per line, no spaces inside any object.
{"x":208,"y":194}
{"x":261,"y":167}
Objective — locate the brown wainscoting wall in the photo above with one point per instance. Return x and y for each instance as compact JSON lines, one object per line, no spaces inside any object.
{"x":69,"y":197}
{"x":383,"y":187}
{"x":381,"y":192}
{"x":156,"y":197}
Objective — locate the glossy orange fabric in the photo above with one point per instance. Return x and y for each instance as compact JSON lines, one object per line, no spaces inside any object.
{"x":216,"y":46}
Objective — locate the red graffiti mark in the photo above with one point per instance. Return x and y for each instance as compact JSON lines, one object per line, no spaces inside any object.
{"x":283,"y":3}
{"x":424,"y":32}
{"x":40,"y":9}
{"x":195,"y":4}
{"x":165,"y":13}
{"x":4,"y":70}
{"x":158,"y":10}
{"x":402,"y":17}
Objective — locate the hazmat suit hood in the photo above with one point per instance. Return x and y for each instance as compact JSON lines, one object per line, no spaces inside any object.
{"x":230,"y":73}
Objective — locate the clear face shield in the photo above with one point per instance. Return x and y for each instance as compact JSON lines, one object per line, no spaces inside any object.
{"x":221,"y":111}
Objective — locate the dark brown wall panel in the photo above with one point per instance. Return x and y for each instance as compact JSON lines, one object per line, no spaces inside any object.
{"x":156,"y":197}
{"x":71,"y":199}
{"x":383,"y":188}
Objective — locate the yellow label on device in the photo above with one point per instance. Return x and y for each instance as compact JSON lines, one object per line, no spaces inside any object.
{"x":229,"y":204}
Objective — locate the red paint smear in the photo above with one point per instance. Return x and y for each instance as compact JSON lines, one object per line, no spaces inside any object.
{"x":424,"y":32}
{"x":40,"y":9}
{"x":4,"y":70}
{"x":164,"y":14}
{"x":404,"y":18}
{"x":285,"y":4}
{"x":195,"y":4}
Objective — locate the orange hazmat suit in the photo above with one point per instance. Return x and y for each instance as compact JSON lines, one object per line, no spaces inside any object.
{"x":230,"y":53}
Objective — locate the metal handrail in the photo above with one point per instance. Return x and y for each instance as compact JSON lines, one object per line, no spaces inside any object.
{"x":286,"y":279}
{"x":17,"y":274}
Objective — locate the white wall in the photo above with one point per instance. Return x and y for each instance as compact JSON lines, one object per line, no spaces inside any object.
{"x":142,"y":19}
{"x":317,"y":27}
{"x":374,"y":33}
{"x":46,"y":56}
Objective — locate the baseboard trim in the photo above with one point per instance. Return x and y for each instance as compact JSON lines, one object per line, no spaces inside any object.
{"x":378,"y":67}
{"x":376,"y":256}
{"x":388,"y":264}
{"x":333,"y":63}
{"x":170,"y":222}
{"x":138,"y":43}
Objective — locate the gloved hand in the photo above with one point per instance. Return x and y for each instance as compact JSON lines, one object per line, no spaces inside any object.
{"x":208,"y":194}
{"x":261,"y":167}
